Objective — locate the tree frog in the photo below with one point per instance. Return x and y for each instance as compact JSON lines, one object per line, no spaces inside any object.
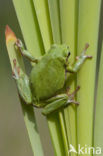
{"x":43,"y":88}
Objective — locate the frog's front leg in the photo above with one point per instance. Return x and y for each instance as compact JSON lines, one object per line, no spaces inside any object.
{"x":24,"y":52}
{"x":79,"y":61}
{"x":22,"y":82}
{"x":59,"y":101}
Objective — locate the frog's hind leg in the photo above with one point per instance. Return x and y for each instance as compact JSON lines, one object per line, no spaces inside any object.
{"x":54,"y":105}
{"x":16,"y":70}
{"x":58,"y":102}
{"x":22,"y":82}
{"x":24,"y":52}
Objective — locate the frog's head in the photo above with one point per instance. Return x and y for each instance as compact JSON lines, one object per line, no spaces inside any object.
{"x":61,"y":50}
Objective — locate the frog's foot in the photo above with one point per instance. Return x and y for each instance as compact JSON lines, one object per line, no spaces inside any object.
{"x":16,"y":70}
{"x":19,"y":45}
{"x":73,"y":93}
{"x":70,"y":101}
{"x":24,"y":52}
{"x":72,"y":96}
{"x":83,"y":54}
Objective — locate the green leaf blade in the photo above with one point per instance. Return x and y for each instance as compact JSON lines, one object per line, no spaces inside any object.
{"x":28,"y":113}
{"x":98,"y":124}
{"x":42,"y":13}
{"x":69,"y":15}
{"x":55,"y":20}
{"x":29,"y":26}
{"x":87,"y":33}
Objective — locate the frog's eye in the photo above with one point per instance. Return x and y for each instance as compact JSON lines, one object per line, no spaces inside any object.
{"x":68,"y":54}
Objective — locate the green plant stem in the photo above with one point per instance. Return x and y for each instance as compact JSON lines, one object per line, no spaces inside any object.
{"x":55,"y":20}
{"x":89,"y":13}
{"x":98,"y":124}
{"x":42,"y":12}
{"x":28,"y":112}
{"x":57,"y":133}
{"x":29,"y":26}
{"x":69,"y":12}
{"x":56,"y":121}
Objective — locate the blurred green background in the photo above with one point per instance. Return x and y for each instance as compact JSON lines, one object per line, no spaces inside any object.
{"x":13,"y":135}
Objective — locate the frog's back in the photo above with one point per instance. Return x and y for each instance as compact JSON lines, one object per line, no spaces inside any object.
{"x":47,"y":77}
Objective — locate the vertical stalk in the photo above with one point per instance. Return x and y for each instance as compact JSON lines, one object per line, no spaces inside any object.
{"x":98,"y":125}
{"x":56,"y":121}
{"x":28,"y":112}
{"x":57,"y":132}
{"x":42,"y":13}
{"x":29,"y":26}
{"x":69,"y":12}
{"x":89,"y":12}
{"x":55,"y":20}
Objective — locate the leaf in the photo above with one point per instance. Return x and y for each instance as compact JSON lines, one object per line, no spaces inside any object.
{"x":98,"y":124}
{"x":29,"y":26}
{"x":28,"y":112}
{"x":55,"y":20}
{"x":69,"y":16}
{"x":89,"y":13}
{"x":42,"y":13}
